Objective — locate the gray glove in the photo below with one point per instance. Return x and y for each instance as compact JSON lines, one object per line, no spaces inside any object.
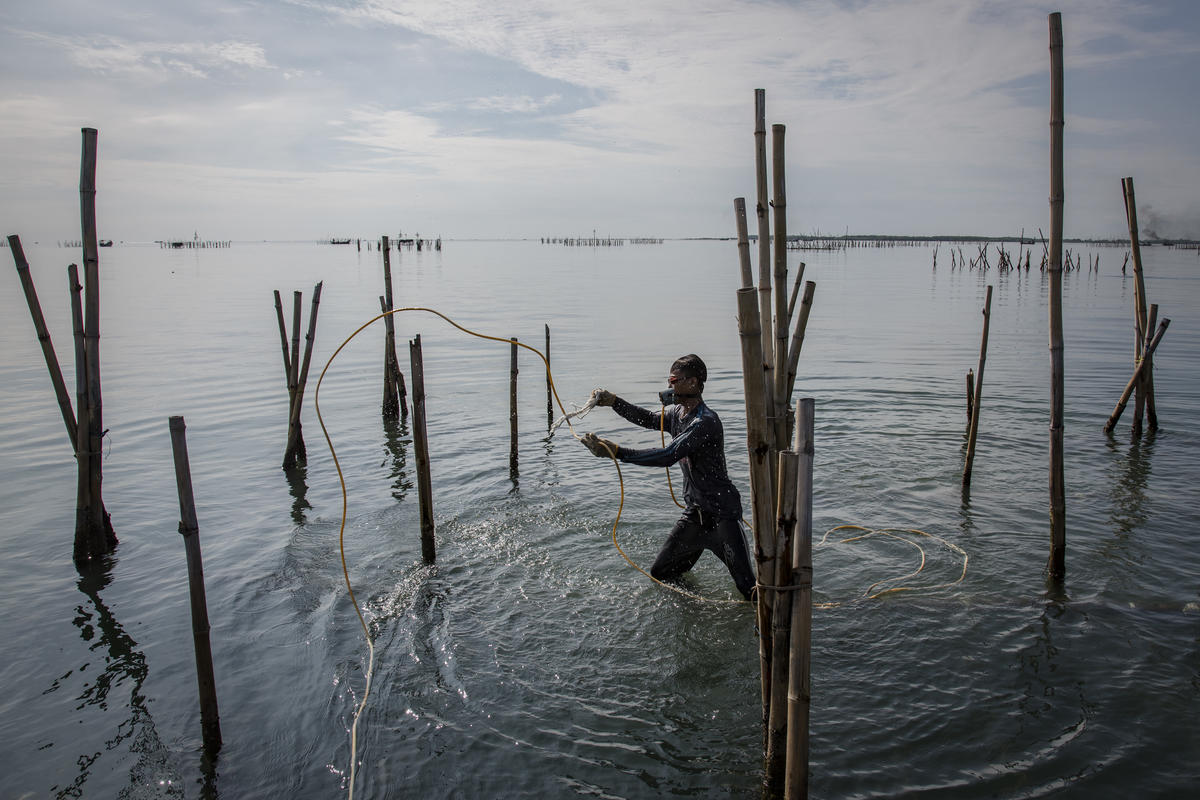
{"x":603,"y":397}
{"x":598,"y":446}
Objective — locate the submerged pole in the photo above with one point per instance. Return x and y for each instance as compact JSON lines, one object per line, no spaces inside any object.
{"x":421,"y":444}
{"x":978,"y":393}
{"x":210,"y":718}
{"x":1058,"y":503}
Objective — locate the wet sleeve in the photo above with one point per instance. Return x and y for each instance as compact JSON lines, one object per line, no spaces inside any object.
{"x":680,"y":447}
{"x":637,"y":415}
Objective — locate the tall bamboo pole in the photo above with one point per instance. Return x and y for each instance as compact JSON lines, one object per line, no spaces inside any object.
{"x":800,"y":662}
{"x":758,"y":443}
{"x":43,"y":335}
{"x":96,"y":525}
{"x":781,"y":622}
{"x":421,"y":444}
{"x":978,"y":393}
{"x":764,"y":232}
{"x":1058,"y":503}
{"x":781,"y":319}
{"x":210,"y":718}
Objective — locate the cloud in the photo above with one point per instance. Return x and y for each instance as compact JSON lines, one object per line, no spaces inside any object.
{"x":115,"y":56}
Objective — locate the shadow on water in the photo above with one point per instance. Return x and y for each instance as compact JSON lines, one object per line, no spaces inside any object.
{"x":297,"y":478}
{"x":396,"y":440}
{"x":124,"y":664}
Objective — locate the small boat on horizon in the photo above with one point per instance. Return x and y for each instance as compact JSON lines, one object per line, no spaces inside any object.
{"x":106,"y":242}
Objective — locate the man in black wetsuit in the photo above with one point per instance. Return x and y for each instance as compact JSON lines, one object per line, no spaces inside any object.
{"x":712,"y":517}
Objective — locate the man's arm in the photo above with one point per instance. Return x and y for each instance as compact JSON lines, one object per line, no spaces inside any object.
{"x":638,"y":415}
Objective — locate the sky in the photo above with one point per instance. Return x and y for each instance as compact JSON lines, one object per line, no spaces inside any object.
{"x":305,"y":119}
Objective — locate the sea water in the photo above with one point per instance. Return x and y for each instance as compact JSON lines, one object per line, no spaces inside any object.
{"x":531,"y":659}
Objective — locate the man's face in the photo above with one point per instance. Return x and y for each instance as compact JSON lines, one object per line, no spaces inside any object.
{"x":682,"y":384}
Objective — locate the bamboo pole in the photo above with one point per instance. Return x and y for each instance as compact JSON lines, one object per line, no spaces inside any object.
{"x":810,"y":289}
{"x":82,"y":436}
{"x":210,"y":718}
{"x":512,"y":407}
{"x":781,"y":622}
{"x":758,"y":443}
{"x":295,"y":446}
{"x":549,"y":384}
{"x":43,"y":335}
{"x":743,"y":242}
{"x":970,"y":394}
{"x":391,"y":403}
{"x":1058,"y":503}
{"x":800,"y":662}
{"x":781,"y":320}
{"x":1137,"y":376}
{"x":764,"y":232}
{"x":1148,"y":375}
{"x":978,"y":394}
{"x":96,"y":525}
{"x":1142,"y":328}
{"x":795,"y":293}
{"x":294,"y":373}
{"x":421,"y":444}
{"x":283,"y":340}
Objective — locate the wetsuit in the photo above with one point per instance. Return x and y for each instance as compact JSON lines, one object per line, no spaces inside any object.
{"x":713,"y":508}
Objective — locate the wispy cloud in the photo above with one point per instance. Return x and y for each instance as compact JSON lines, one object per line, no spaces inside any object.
{"x":114,"y":56}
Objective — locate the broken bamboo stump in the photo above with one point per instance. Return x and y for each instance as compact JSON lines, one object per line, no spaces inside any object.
{"x":800,"y":660}
{"x":210,"y":718}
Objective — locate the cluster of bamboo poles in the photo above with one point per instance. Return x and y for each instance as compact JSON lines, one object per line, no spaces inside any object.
{"x":295,"y":371}
{"x":780,"y":476}
{"x":94,"y":535}
{"x":1145,"y":339}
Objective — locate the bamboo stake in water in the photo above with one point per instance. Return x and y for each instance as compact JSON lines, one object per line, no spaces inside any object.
{"x":43,"y":335}
{"x":512,"y":407}
{"x":283,"y":340}
{"x":82,"y":436}
{"x":1148,"y":374}
{"x":970,"y":394}
{"x":210,"y":718}
{"x":549,"y":385}
{"x":758,"y":443}
{"x":294,"y":358}
{"x":1137,"y":376}
{"x":978,"y":395}
{"x":1142,"y":328}
{"x":95,"y":538}
{"x":1058,"y":503}
{"x":800,"y":661}
{"x":391,"y":402}
{"x":810,"y":289}
{"x":785,"y":520}
{"x":421,"y":444}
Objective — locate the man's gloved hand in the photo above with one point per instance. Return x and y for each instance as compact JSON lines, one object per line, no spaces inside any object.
{"x":597,"y":445}
{"x":603,"y":397}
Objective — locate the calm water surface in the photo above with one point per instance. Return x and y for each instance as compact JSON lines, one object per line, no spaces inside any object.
{"x":532,"y":660}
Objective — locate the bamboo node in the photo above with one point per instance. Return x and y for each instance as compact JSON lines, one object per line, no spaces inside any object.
{"x":188,"y":530}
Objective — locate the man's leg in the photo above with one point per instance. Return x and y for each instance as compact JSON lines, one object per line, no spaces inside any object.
{"x":730,"y":547}
{"x":679,"y":553}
